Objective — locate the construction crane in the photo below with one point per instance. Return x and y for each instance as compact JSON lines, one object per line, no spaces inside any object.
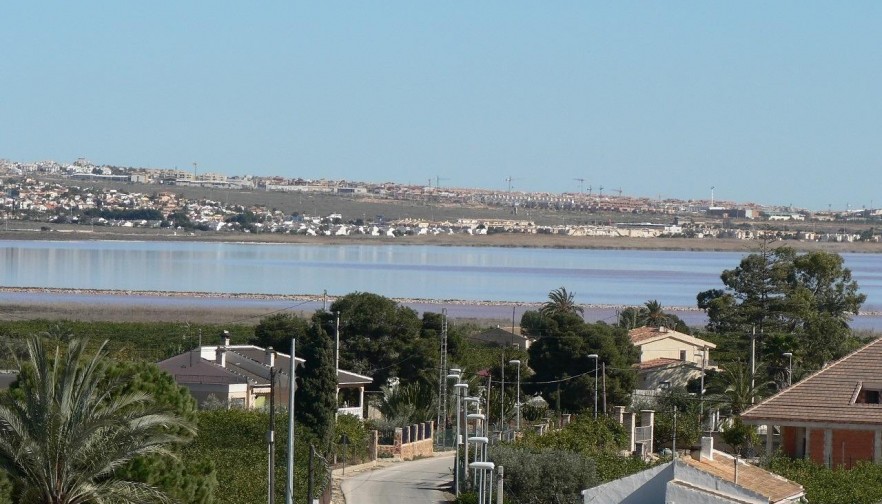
{"x":581,"y":183}
{"x":619,"y":190}
{"x":509,"y":179}
{"x":600,"y":189}
{"x":589,"y":190}
{"x":438,"y":181}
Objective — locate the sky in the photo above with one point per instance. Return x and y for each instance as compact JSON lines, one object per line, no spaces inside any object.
{"x":777,"y":103}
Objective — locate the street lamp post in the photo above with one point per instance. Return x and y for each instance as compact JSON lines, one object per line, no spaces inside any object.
{"x":789,"y":356}
{"x":518,"y":396}
{"x":477,"y":402}
{"x":480,"y":447}
{"x":595,"y":357}
{"x":479,"y":434}
{"x":460,"y":392}
{"x":483,"y":467}
{"x":701,"y":392}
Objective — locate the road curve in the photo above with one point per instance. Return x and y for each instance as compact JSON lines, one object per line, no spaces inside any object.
{"x":424,"y":481}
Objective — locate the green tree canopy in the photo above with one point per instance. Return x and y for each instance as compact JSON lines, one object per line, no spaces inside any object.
{"x":63,"y":439}
{"x":377,"y":336}
{"x":811,"y":296}
{"x":277,"y":330}
{"x":561,"y":355}
{"x":191,"y":481}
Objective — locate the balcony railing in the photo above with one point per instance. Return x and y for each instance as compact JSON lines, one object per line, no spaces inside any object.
{"x":356,"y":411}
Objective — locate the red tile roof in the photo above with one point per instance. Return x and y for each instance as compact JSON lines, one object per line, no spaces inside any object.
{"x":659,"y":362}
{"x":751,"y":477}
{"x":827,"y":396}
{"x":646,"y":333}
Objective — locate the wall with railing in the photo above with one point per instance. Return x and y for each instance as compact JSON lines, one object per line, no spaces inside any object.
{"x":408,"y":443}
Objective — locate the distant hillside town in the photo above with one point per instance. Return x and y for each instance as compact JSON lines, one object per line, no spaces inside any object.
{"x":67,"y":198}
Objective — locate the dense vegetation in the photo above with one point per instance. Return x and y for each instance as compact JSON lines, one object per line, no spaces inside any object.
{"x":798,"y":303}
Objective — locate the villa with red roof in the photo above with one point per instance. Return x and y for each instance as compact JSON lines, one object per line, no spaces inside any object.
{"x":833,"y":417}
{"x":668,"y":356}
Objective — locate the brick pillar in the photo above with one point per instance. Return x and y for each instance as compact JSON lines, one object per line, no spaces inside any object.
{"x":399,"y":439}
{"x":630,"y":423}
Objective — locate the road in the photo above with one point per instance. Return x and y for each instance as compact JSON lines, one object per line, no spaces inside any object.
{"x":419,"y":482}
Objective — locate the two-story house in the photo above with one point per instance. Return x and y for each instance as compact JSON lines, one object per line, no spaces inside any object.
{"x":668,"y":356}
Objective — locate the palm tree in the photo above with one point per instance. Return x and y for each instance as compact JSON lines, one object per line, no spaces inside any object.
{"x":68,"y":431}
{"x":653,"y":315}
{"x":559,"y":302}
{"x":736,"y":389}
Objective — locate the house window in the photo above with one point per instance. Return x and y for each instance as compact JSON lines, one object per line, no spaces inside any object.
{"x":868,"y":396}
{"x":683,"y":355}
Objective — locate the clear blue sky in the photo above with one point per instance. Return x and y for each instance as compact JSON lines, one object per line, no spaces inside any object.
{"x":772,"y":102}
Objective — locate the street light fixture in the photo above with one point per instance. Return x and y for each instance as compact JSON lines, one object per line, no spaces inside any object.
{"x":461,"y":389}
{"x":789,"y":356}
{"x":451,"y":376}
{"x":595,"y":357}
{"x":481,"y":443}
{"x":518,"y":396}
{"x":484,"y":467}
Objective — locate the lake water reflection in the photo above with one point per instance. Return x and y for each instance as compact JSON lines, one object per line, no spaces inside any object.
{"x":608,"y":277}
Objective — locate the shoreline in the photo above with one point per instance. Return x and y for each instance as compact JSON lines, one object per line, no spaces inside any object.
{"x":502,"y":240}
{"x":92,"y":305}
{"x":308,"y":298}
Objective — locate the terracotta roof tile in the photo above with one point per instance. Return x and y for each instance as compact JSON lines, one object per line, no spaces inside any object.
{"x":750,"y":476}
{"x":827,"y":395}
{"x":645,"y":333}
{"x":659,"y":362}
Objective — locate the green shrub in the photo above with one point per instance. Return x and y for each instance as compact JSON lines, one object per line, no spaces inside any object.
{"x":861,"y":484}
{"x":544,"y":475}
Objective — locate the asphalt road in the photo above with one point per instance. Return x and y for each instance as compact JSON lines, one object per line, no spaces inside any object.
{"x":419,"y":482}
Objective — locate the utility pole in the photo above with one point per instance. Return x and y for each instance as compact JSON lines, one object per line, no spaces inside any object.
{"x":604,"y":388}
{"x":336,"y":342}
{"x":289,"y":486}
{"x":310,"y":482}
{"x":752,"y":363}
{"x":501,"y":395}
{"x":271,"y":440}
{"x":442,"y":383}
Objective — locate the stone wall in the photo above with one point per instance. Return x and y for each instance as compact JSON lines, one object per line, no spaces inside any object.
{"x":411,"y":442}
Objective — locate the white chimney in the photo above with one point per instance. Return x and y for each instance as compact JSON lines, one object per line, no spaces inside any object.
{"x":225,"y":338}
{"x":707,"y":448}
{"x":269,"y":358}
{"x":221,"y":356}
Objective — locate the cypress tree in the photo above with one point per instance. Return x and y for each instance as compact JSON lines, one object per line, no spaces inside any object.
{"x":316,"y":398}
